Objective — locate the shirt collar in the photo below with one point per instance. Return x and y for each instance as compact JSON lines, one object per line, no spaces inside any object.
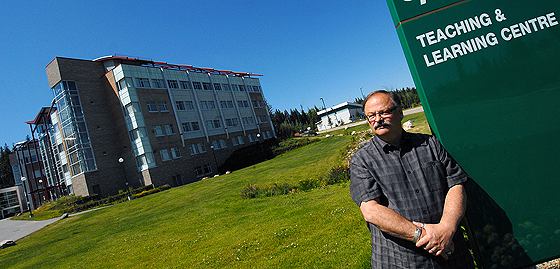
{"x":387,"y":147}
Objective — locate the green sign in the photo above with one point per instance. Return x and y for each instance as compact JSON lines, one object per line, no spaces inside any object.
{"x":488,"y":75}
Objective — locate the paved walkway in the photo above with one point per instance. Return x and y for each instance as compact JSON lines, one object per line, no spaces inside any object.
{"x":17,"y":229}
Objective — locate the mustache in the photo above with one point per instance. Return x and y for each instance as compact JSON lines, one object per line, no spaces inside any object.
{"x":381,"y":123}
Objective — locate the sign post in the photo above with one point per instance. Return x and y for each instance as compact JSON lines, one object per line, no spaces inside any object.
{"x":488,"y":75}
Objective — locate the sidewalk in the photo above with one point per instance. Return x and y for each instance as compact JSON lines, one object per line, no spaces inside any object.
{"x":17,"y":229}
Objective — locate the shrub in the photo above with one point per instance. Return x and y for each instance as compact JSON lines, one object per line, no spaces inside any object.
{"x":336,"y":175}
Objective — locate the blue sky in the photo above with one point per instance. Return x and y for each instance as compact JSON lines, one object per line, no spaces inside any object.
{"x":305,"y":50}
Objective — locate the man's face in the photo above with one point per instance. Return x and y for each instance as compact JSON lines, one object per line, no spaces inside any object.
{"x":383,"y":118}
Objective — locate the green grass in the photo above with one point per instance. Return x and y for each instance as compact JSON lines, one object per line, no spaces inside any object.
{"x":208,"y":224}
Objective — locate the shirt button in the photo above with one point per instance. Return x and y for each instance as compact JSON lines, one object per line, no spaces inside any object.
{"x":417,"y":191}
{"x":425,"y":212}
{"x":408,"y":172}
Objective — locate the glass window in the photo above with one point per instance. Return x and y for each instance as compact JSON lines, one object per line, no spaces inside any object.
{"x":176,"y":152}
{"x":203,"y":105}
{"x":163,"y":106}
{"x":152,"y":107}
{"x":217,"y":87}
{"x":158,"y":131}
{"x":164,"y":155}
{"x":234,"y":87}
{"x":197,"y":85}
{"x":223,"y":143}
{"x":217,"y":124}
{"x":186,"y":126}
{"x":240,"y":138}
{"x":201,"y":147}
{"x":211,"y":105}
{"x":235,"y":141}
{"x":206,"y":86}
{"x":225,"y":87}
{"x":173,"y":84}
{"x":185,"y":84}
{"x":169,"y":129}
{"x":158,"y":83}
{"x":189,"y":105}
{"x":230,"y":104}
{"x":215,"y":144}
{"x":143,"y":82}
{"x":195,"y":126}
{"x":192,"y":149}
{"x":223,"y":104}
{"x":180,"y":105}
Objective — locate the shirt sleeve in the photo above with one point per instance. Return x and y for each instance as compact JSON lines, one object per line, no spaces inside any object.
{"x":455,"y":175}
{"x":363,"y":187}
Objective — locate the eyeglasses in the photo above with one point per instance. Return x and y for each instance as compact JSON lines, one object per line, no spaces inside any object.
{"x":382,"y":114}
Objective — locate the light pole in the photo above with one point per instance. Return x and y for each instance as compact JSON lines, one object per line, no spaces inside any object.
{"x":214,"y":154}
{"x":23,"y":179}
{"x":324,"y":107}
{"x":121,"y":160}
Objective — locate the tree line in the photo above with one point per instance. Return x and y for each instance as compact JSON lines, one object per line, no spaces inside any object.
{"x":6,"y":174}
{"x":287,"y":123}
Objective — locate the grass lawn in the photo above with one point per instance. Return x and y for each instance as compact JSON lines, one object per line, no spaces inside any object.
{"x":208,"y":224}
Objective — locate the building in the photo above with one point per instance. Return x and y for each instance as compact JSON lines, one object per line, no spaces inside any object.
{"x":27,"y":161}
{"x":12,"y":201}
{"x":339,"y":114}
{"x":119,"y":122}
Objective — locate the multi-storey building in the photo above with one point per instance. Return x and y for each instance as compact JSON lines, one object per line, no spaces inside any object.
{"x":28,"y":167}
{"x":120,"y":122}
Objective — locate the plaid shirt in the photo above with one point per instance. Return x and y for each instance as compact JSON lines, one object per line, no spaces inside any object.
{"x":413,"y":181}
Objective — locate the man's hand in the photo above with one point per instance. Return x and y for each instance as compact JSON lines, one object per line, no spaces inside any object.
{"x":436,"y":239}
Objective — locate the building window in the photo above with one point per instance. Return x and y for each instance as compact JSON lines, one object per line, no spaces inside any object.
{"x":180,"y":105}
{"x":177,"y":180}
{"x":215,"y":144}
{"x":211,"y":105}
{"x":186,"y":126}
{"x":223,"y":143}
{"x":189,"y":105}
{"x":197,"y":85}
{"x":185,"y":85}
{"x":250,"y":137}
{"x":206,"y":86}
{"x":152,"y":107}
{"x":197,"y":148}
{"x":203,"y":105}
{"x":164,"y":155}
{"x":232,"y":122}
{"x":158,"y":83}
{"x":158,"y":131}
{"x":195,"y":126}
{"x":176,"y":153}
{"x":163,"y":106}
{"x":248,"y":120}
{"x":256,"y":88}
{"x":234,"y":87}
{"x":225,"y":87}
{"x":203,"y":170}
{"x":223,"y":104}
{"x":143,"y":82}
{"x":217,"y":87}
{"x":242,"y":104}
{"x":173,"y":84}
{"x":169,"y":129}
{"x":240,"y":139}
{"x":241,"y":88}
{"x":262,"y":119}
{"x":213,"y":124}
{"x":257,"y":104}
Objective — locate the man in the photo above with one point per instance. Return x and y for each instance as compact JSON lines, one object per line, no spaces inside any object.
{"x":410,"y":192}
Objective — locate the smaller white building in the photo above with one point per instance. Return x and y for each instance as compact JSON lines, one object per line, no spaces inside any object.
{"x":338,"y":115}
